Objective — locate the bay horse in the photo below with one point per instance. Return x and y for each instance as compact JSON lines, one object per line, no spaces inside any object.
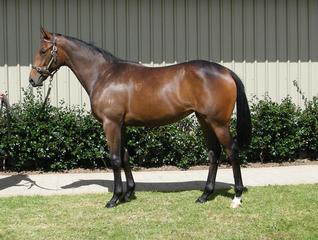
{"x":124,"y":93}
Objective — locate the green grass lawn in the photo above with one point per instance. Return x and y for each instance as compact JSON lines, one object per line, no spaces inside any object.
{"x":274,"y":212}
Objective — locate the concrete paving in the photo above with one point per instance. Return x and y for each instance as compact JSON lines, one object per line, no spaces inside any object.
{"x":76,"y":183}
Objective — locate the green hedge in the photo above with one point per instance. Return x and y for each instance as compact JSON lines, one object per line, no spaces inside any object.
{"x":66,"y":138}
{"x":283,"y":131}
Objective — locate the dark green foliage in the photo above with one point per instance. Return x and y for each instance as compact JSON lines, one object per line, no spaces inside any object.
{"x":65,"y":138}
{"x":50,"y":139}
{"x":274,"y":131}
{"x":282,"y":131}
{"x":180,"y":144}
{"x":307,"y":131}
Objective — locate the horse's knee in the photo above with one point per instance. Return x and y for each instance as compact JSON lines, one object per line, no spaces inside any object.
{"x":125,"y":159}
{"x":213,"y":158}
{"x":233,"y":153}
{"x":235,"y":147}
{"x":116,"y":162}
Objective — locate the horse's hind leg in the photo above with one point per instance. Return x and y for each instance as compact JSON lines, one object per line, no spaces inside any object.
{"x":214,"y":151}
{"x":129,"y":177}
{"x":231,"y":148}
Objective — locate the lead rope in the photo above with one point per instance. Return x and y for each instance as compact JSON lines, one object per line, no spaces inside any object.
{"x":47,"y":96}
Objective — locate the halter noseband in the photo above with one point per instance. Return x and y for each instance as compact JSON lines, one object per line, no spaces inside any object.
{"x":44,"y":71}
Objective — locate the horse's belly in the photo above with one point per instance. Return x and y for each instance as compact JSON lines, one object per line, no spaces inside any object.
{"x":159,"y":105}
{"x":155,"y":120}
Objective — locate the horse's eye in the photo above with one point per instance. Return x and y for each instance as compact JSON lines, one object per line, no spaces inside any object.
{"x":42,"y":50}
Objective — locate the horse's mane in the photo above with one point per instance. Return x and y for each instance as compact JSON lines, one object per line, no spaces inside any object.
{"x":107,"y":55}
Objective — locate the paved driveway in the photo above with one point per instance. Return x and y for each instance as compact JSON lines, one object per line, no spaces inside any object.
{"x":50,"y":184}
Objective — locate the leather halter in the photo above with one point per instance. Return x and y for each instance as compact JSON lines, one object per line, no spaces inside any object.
{"x":45,"y":71}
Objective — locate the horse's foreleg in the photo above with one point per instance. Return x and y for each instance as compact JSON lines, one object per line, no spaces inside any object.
{"x":129,"y":177}
{"x":210,"y":183}
{"x":113,"y":136}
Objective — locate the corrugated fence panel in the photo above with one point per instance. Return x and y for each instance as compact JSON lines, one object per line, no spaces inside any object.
{"x":133,"y":30}
{"x":215,"y":30}
{"x":144,"y":31}
{"x":238,"y":41}
{"x":168,"y":31}
{"x":3,"y":63}
{"x":180,"y":30}
{"x":156,"y":31}
{"x":192,"y":31}
{"x":269,"y":43}
{"x":72,"y":9}
{"x":313,"y":47}
{"x":203,"y":25}
{"x":2,"y":35}
{"x":121,"y":26}
{"x":281,"y":47}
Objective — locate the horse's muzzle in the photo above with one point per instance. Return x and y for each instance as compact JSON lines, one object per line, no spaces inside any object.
{"x":37,"y":83}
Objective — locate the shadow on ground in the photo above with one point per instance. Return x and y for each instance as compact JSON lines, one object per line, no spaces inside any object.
{"x":223,"y":188}
{"x":16,"y":180}
{"x":146,"y":186}
{"x":25,"y":180}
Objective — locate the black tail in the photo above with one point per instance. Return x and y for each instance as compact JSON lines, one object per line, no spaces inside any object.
{"x":243,"y":122}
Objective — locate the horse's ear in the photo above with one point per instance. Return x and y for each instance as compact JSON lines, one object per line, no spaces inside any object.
{"x":45,"y":34}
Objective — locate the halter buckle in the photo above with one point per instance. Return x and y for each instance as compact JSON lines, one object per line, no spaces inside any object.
{"x":54,"y":51}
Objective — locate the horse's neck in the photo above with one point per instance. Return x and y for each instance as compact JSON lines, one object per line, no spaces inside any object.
{"x":84,"y":64}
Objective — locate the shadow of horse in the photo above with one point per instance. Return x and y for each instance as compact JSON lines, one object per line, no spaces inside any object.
{"x":150,"y":186}
{"x":16,"y":180}
{"x":221,"y":187}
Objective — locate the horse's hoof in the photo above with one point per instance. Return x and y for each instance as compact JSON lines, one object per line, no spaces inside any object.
{"x":110,"y":205}
{"x":127,"y":199}
{"x":200,"y":200}
{"x":235,"y":205}
{"x":236,"y":202}
{"x":129,"y":196}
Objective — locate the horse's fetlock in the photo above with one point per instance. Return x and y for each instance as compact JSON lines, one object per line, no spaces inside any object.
{"x":118,"y":192}
{"x":239,"y":190}
{"x":208,"y":188}
{"x":131,"y":185}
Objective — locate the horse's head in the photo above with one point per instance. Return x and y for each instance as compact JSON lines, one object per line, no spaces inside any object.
{"x":47,"y":60}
